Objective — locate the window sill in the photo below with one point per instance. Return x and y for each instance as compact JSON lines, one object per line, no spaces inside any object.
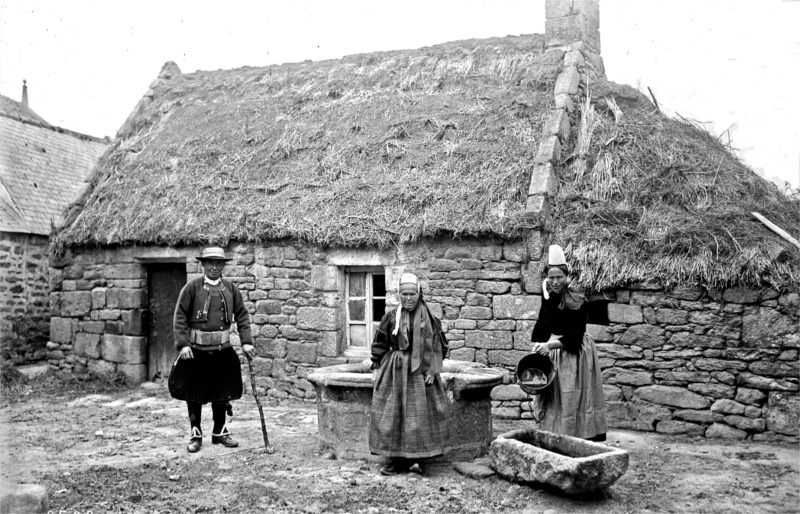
{"x":357,"y":352}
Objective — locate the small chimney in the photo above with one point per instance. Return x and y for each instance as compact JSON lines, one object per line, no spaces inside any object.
{"x":24,"y":92}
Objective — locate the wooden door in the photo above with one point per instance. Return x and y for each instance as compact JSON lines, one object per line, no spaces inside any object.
{"x":164,"y":284}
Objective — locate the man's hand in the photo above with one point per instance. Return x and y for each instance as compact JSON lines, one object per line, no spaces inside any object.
{"x":186,"y":353}
{"x":428,"y":380}
{"x":249,"y":350}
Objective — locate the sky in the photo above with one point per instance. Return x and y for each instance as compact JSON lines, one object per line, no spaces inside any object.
{"x":732,"y":64}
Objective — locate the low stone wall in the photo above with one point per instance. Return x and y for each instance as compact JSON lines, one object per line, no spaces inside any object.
{"x":719,"y":364}
{"x":24,"y":289}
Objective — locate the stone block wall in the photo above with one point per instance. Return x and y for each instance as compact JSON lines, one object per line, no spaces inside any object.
{"x":719,"y":364}
{"x":24,"y":289}
{"x":682,"y":362}
{"x":98,"y":301}
{"x":294,"y":294}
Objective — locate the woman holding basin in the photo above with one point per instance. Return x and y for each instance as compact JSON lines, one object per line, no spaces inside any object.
{"x":574,"y":403}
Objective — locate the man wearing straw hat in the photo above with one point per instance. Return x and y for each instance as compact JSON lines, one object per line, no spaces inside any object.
{"x":207,"y":369}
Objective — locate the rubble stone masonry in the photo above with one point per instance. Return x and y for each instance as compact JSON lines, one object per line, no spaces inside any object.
{"x":24,"y":289}
{"x":720,"y":363}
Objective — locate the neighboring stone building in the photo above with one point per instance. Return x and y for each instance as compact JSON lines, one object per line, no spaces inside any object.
{"x":42,"y":170}
{"x":460,"y":162}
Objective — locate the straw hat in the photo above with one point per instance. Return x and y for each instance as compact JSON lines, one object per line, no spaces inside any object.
{"x":214,"y":253}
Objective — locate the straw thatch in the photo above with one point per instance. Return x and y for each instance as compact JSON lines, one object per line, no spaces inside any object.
{"x":648,"y":198}
{"x":390,"y":147}
{"x":371,"y":149}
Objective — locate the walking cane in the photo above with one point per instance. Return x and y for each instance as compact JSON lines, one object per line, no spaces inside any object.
{"x":267,"y":446}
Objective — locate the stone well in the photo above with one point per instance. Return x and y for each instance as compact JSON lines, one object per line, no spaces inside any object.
{"x":568,"y":463}
{"x":344,"y":399}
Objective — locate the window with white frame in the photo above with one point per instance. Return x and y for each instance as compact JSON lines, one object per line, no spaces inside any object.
{"x":365,"y":289}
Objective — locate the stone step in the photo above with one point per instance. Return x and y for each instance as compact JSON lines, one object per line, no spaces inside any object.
{"x":33,"y":370}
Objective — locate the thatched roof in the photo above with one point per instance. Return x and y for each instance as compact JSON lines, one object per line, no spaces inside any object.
{"x":367,"y":150}
{"x":391,"y":147}
{"x":661,"y":200}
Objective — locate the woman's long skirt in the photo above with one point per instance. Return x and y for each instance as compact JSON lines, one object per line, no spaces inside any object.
{"x":576,"y":405}
{"x":409,"y":419}
{"x":211,"y":376}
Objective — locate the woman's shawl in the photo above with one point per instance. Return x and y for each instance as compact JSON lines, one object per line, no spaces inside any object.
{"x":425,"y":353}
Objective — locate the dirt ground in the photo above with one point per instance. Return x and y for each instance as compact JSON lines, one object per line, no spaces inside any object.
{"x":123,"y":451}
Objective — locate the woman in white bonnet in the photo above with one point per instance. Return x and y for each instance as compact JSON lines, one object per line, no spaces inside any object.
{"x":409,"y":403}
{"x":574,"y":404}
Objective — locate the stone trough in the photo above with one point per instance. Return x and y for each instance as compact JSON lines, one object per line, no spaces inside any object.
{"x":344,"y":399}
{"x":568,"y":463}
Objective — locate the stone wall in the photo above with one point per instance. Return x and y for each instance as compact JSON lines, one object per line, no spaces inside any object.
{"x":98,"y":301}
{"x":294,"y":293}
{"x":719,"y":364}
{"x":24,"y":289}
{"x":683,"y":362}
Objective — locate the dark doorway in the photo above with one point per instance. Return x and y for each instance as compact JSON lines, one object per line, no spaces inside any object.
{"x":164,"y":284}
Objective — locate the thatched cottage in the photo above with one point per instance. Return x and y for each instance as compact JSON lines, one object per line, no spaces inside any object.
{"x":461,"y":162}
{"x":42,"y":170}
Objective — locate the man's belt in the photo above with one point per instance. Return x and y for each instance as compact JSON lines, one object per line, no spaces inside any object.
{"x":210,"y":340}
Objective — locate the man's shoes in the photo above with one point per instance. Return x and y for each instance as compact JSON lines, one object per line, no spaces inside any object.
{"x":196,"y":442}
{"x":224,"y":438}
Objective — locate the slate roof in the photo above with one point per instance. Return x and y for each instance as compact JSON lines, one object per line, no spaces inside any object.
{"x":42,"y":169}
{"x":14,"y":109}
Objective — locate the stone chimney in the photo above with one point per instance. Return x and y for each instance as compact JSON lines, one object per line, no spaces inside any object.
{"x":572,"y":27}
{"x":24,"y":92}
{"x":575,"y":25}
{"x":572,"y":21}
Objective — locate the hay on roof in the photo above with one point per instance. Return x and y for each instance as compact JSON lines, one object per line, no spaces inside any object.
{"x":662,"y":200}
{"x":372,"y":150}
